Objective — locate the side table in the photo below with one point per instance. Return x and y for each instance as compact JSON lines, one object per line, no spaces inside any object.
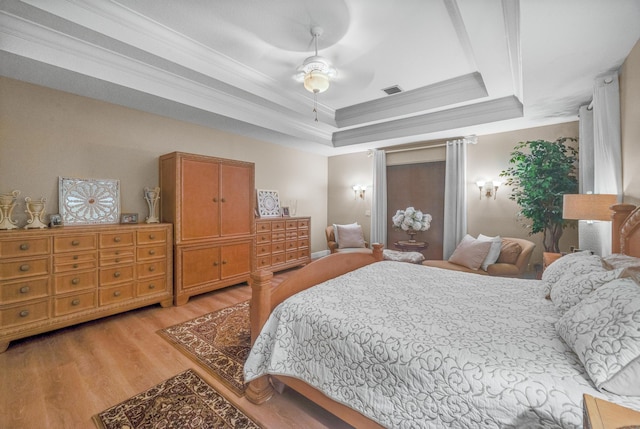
{"x":411,"y":246}
{"x":601,"y":414}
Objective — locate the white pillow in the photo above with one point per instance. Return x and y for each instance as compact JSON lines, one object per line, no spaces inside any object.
{"x":604,"y":331}
{"x":335,"y":230}
{"x":494,"y":250}
{"x":571,"y":288}
{"x":350,"y":236}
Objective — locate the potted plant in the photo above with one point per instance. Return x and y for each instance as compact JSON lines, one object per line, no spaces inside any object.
{"x":540,"y":174}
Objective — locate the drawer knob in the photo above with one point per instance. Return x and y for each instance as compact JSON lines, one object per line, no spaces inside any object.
{"x":75,"y":281}
{"x":152,"y":252}
{"x":152,"y":268}
{"x":117,"y":239}
{"x":117,"y":293}
{"x":25,"y":289}
{"x":116,"y":274}
{"x":75,"y":302}
{"x":117,"y":252}
{"x":25,"y":267}
{"x":24,"y":246}
{"x":215,"y":199}
{"x":215,"y":264}
{"x":75,"y":265}
{"x":75,"y":257}
{"x":24,"y":313}
{"x":224,"y":262}
{"x":75,"y":243}
{"x":152,"y":286}
{"x":223,"y":200}
{"x":152,"y":237}
{"x":117,"y":260}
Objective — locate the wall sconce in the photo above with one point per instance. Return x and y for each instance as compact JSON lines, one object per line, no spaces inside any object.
{"x":489,"y":188}
{"x":358,"y":191}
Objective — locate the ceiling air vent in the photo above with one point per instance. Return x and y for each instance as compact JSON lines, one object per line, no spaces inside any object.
{"x":392,"y":90}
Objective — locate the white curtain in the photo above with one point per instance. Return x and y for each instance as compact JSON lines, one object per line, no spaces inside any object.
{"x":600,"y":158}
{"x":379,"y":199}
{"x":455,"y":196}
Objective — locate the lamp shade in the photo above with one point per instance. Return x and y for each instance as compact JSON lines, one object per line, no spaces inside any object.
{"x":588,"y":206}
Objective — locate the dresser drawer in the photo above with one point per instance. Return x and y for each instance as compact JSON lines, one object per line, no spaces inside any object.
{"x":25,"y":313}
{"x":74,"y":303}
{"x":24,"y":268}
{"x":263,"y":249}
{"x":278,"y":247}
{"x":112,"y":295}
{"x":74,"y":243}
{"x":263,"y":238}
{"x":75,"y":281}
{"x":303,"y":224}
{"x":278,"y":258}
{"x":291,"y":224}
{"x":291,"y":244}
{"x":24,"y":290}
{"x":292,"y":235}
{"x":278,"y":236}
{"x":24,"y":247}
{"x":64,"y":263}
{"x":150,"y":236}
{"x":292,"y":256}
{"x":116,"y":239}
{"x":151,"y":286}
{"x":263,"y":227}
{"x":123,"y":255}
{"x":277,"y":225}
{"x":150,"y":269}
{"x":264,"y":261}
{"x":110,"y":276}
{"x":152,"y":252}
{"x":303,"y":242}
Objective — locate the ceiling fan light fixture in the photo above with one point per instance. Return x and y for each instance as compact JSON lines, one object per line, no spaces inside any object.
{"x":316,"y":81}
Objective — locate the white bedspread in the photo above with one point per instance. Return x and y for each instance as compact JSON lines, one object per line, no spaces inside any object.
{"x":414,"y":346}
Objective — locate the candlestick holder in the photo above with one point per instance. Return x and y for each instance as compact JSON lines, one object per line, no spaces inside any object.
{"x":36,"y":212}
{"x":152,"y":196}
{"x":7,"y":204}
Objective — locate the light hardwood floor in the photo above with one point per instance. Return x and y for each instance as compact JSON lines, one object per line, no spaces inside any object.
{"x":62,"y":378}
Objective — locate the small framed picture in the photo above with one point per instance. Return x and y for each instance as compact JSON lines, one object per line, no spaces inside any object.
{"x":129,"y":218}
{"x":285,"y":211}
{"x":55,"y":220}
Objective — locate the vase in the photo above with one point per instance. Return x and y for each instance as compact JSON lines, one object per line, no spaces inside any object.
{"x":411,"y":236}
{"x":7,"y":204}
{"x":151,"y":196}
{"x":35,"y":209}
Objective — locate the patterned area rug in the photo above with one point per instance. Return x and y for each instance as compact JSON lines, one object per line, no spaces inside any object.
{"x":182,"y":402}
{"x":218,"y":341}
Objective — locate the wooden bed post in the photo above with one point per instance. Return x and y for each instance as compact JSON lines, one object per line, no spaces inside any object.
{"x":620,"y":213}
{"x":259,"y":390}
{"x":377,"y":251}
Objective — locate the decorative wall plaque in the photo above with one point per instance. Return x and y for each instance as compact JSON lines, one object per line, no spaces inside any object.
{"x":89,"y":201}
{"x":268,"y":203}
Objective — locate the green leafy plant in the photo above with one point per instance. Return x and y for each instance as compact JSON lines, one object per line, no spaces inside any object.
{"x":540,"y":174}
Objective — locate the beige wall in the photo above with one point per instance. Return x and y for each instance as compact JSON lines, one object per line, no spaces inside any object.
{"x":46,"y":133}
{"x":630,"y":123}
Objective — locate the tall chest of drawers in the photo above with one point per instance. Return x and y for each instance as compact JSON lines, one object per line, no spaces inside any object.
{"x":282,"y":243}
{"x":58,"y":277}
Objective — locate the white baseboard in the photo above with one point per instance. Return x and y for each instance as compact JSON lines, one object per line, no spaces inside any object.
{"x":318,"y":255}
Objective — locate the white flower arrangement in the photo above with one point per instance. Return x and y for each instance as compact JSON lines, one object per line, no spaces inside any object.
{"x":411,"y":219}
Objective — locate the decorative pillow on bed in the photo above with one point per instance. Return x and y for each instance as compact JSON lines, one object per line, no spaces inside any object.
{"x":604,"y":331}
{"x":350,"y":235}
{"x":470,"y":252}
{"x":494,"y":250}
{"x":573,"y":263}
{"x":619,"y":260}
{"x":509,"y":252}
{"x":570,"y":289}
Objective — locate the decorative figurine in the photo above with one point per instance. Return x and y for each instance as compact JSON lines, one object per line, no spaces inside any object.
{"x":7,"y":204}
{"x":152,"y":196}
{"x":36,"y":213}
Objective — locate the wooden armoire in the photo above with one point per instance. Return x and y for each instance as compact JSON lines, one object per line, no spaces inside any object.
{"x":210,"y":201}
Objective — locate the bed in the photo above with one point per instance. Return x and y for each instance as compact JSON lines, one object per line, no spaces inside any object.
{"x":390,"y":344}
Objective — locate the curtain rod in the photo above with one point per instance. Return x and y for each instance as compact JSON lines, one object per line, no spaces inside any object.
{"x":467,"y":139}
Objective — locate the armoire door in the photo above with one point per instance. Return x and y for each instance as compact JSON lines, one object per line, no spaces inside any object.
{"x":200,"y":202}
{"x":236,"y":192}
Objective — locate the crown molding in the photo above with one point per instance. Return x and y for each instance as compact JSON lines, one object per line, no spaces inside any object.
{"x":479,"y":113}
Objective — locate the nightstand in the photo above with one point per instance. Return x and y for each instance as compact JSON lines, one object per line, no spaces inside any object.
{"x":601,"y":414}
{"x":548,"y":258}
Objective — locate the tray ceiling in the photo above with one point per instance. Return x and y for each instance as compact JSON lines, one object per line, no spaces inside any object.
{"x":464,"y":66}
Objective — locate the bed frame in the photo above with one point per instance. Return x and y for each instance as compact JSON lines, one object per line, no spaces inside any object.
{"x":625,"y":232}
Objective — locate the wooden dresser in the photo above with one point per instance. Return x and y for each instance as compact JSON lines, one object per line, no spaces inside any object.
{"x":58,"y":277}
{"x":211,"y":203}
{"x":282,"y":243}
